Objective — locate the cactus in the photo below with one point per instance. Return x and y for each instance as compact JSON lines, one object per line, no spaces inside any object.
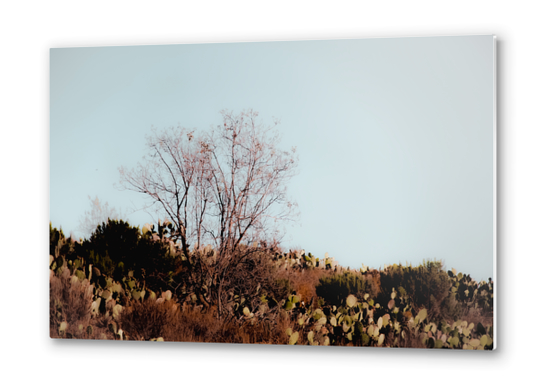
{"x":422,"y":315}
{"x":62,"y":328}
{"x":355,"y":317}
{"x":351,"y":301}
{"x":293,"y":338}
{"x":310,"y":337}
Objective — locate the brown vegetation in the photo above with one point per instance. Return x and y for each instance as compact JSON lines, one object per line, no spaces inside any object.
{"x":304,"y":282}
{"x":270,"y":298}
{"x":70,"y":309}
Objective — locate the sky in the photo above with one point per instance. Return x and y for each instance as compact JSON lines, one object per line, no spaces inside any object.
{"x":395,"y":137}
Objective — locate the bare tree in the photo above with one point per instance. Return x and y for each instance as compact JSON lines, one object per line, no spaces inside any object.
{"x":247,"y":183}
{"x":98,"y":214}
{"x":169,"y":176}
{"x":226,"y":187}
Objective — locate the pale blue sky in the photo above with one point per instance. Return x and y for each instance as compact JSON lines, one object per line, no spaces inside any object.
{"x":394,"y":136}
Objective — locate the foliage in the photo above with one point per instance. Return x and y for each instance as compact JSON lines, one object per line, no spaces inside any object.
{"x":262,"y":304}
{"x":333,"y":289}
{"x":426,"y":285}
{"x":116,"y":247}
{"x":75,"y":304}
{"x":70,"y":299}
{"x":474,"y":298}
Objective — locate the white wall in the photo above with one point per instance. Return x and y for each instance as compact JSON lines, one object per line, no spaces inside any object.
{"x":29,"y":29}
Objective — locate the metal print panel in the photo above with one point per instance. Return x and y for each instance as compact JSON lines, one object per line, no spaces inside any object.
{"x":324,"y":193}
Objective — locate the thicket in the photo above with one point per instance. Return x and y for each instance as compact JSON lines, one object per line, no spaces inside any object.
{"x":426,"y":286}
{"x":116,"y":247}
{"x":131,"y":284}
{"x":334,"y":288}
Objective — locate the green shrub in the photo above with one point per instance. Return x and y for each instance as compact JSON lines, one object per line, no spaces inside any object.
{"x":335,"y":289}
{"x":59,"y":245}
{"x":427,"y":286}
{"x":116,"y":248}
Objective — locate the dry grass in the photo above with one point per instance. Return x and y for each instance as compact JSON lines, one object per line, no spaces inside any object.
{"x":167,"y":319}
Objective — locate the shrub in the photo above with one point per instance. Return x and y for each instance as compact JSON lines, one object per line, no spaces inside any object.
{"x":147,"y":319}
{"x":69,"y":300}
{"x":116,"y":247}
{"x":305,"y":281}
{"x":59,"y":245}
{"x":335,"y":288}
{"x":153,"y":319}
{"x":427,"y":286}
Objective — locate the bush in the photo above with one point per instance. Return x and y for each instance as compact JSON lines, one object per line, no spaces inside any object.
{"x":116,"y":247}
{"x":145,"y":320}
{"x":245,"y":279}
{"x":152,"y":319}
{"x":427,"y":286}
{"x":335,"y":289}
{"x":59,"y":245}
{"x":69,"y":301}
